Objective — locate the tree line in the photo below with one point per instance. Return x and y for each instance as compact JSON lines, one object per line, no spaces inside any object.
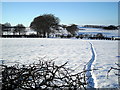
{"x":44,"y":25}
{"x":110,"y":27}
{"x":8,"y":29}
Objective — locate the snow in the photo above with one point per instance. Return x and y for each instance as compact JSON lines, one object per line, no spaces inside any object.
{"x":101,"y":55}
{"x":90,"y":80}
{"x":108,"y":33}
{"x":107,"y":52}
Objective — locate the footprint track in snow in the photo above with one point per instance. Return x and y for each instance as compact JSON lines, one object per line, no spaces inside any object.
{"x":90,"y":79}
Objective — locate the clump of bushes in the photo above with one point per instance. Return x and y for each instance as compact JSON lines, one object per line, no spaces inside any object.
{"x":44,"y":75}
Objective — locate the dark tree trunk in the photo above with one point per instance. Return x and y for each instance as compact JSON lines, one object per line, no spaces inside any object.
{"x":47,"y":35}
{"x":37,"y":33}
{"x":13,"y":33}
{"x":44,"y":34}
{"x":19,"y":32}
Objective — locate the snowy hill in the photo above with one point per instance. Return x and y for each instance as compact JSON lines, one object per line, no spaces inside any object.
{"x":108,"y":33}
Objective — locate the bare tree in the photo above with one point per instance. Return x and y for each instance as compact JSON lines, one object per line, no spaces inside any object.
{"x":72,"y":29}
{"x":20,"y":28}
{"x":6,"y":28}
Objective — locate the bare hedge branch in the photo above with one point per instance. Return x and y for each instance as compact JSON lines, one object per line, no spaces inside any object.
{"x":43,"y":75}
{"x":112,"y":68}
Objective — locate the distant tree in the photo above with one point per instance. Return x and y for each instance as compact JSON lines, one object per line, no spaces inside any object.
{"x":111,"y":27}
{"x":118,"y":27}
{"x":72,"y":29}
{"x":44,"y":24}
{"x":20,"y":28}
{"x":93,"y":26}
{"x":100,"y":35}
{"x":0,"y":29}
{"x":6,"y":28}
{"x":64,"y":26}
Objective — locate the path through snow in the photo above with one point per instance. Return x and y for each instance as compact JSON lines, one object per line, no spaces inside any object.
{"x":90,"y":78}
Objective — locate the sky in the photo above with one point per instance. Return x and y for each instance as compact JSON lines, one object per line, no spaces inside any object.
{"x":60,"y":0}
{"x":80,"y":13}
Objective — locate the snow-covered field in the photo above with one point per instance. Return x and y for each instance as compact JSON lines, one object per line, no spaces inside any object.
{"x":98,"y":54}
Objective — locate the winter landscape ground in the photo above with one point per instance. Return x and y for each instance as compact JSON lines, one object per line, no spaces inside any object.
{"x":79,"y":53}
{"x":97,"y":54}
{"x":85,"y":35}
